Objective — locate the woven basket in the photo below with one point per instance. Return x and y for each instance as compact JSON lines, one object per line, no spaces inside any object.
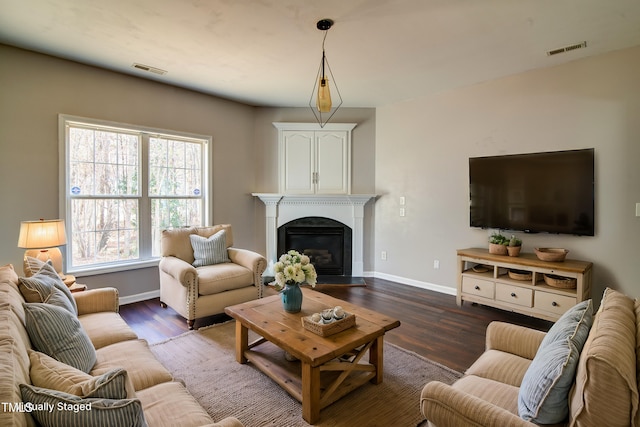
{"x":327,"y":329}
{"x":559,"y":281}
{"x":520,"y":274}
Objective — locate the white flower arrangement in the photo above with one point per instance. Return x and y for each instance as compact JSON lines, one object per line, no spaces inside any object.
{"x":293,"y":267}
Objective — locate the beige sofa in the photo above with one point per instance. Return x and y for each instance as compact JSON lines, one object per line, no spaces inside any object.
{"x":603,"y":389}
{"x":164,"y":402}
{"x":196,"y":292}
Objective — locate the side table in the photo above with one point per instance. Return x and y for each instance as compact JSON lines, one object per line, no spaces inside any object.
{"x":77,"y":287}
{"x":70,"y":281}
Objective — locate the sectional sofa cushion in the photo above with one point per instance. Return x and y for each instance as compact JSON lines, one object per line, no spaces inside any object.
{"x":137,"y":359}
{"x":171,"y":404}
{"x":209,"y":250}
{"x":544,"y":392}
{"x":59,"y":334}
{"x":70,"y":411}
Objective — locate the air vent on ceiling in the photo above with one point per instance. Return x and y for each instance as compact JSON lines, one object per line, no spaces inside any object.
{"x":149,"y":69}
{"x":567,"y":48}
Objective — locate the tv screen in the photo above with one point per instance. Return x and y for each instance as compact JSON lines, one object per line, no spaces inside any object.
{"x":549,"y":192}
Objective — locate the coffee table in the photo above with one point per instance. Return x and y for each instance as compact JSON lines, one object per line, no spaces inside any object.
{"x":327,"y":368}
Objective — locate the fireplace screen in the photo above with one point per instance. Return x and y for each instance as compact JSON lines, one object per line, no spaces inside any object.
{"x":325,"y":241}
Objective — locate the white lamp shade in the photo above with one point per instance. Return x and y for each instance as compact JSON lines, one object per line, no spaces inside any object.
{"x":42,"y":234}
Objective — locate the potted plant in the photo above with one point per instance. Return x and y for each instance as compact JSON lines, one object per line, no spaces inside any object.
{"x":514,"y":247}
{"x":498,"y":244}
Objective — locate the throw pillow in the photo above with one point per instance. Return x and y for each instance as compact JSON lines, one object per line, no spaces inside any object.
{"x":59,"y":334}
{"x":544,"y":393}
{"x":7,"y":273}
{"x":59,"y":299}
{"x":32,"y":265}
{"x":46,"y":372}
{"x":209,"y":251}
{"x":38,"y":287}
{"x":53,"y":408}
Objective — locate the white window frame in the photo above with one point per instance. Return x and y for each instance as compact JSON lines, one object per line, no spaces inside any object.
{"x":145,"y":227}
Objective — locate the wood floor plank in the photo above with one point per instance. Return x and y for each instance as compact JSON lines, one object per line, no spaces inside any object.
{"x":432,"y":324}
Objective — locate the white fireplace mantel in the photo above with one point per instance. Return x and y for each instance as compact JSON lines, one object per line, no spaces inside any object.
{"x":345,"y":208}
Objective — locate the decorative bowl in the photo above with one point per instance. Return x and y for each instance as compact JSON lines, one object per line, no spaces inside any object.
{"x":551,"y":254}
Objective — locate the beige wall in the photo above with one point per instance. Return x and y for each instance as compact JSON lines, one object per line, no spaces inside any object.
{"x":36,"y":88}
{"x":423,"y":146}
{"x":417,"y":149}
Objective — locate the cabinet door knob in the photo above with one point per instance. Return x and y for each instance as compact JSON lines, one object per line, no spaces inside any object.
{"x":477,"y":288}
{"x":513,"y":294}
{"x":555,"y":304}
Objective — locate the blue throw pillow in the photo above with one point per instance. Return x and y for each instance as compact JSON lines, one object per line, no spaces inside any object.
{"x":544,"y":393}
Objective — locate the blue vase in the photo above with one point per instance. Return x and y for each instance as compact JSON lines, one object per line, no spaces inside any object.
{"x":291,"y":298}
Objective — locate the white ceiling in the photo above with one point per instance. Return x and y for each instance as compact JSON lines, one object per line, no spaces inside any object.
{"x":267,"y":52}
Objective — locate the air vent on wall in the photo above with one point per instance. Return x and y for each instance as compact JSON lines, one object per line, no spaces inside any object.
{"x":567,"y":48}
{"x":149,"y":69}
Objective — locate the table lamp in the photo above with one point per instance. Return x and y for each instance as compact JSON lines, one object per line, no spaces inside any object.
{"x":41,"y":240}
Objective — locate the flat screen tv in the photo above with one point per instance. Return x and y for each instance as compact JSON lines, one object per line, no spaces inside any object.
{"x":550,"y":192}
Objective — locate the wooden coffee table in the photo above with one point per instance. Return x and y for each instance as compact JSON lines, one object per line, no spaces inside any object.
{"x":328,"y":367}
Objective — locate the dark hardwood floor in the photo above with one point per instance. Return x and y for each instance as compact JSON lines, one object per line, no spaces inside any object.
{"x":432,"y":324}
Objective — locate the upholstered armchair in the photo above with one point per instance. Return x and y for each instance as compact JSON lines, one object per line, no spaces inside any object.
{"x":203,"y":282}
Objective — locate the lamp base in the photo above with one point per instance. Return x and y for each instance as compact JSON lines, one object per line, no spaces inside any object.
{"x":45,"y":255}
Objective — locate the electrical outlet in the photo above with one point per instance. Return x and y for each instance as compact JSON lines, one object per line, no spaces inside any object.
{"x":383,"y":255}
{"x":402,"y":212}
{"x":436,"y":264}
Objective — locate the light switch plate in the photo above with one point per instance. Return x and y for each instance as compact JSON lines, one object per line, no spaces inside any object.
{"x":637,"y":209}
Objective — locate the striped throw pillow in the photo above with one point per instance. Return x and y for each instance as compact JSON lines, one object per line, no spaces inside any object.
{"x":209,"y":251}
{"x":68,"y":410}
{"x":39,"y":287}
{"x":56,"y":332}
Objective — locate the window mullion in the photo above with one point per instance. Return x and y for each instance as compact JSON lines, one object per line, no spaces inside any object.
{"x":145,"y":201}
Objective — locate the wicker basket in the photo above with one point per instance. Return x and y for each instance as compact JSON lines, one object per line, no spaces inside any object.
{"x":559,"y":281}
{"x":520,"y":274}
{"x":551,"y":254}
{"x":327,"y":329}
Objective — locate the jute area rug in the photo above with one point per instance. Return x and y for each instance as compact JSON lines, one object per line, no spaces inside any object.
{"x":205,"y":361}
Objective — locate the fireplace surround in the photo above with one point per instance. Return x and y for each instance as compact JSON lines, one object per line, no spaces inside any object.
{"x":346,"y":209}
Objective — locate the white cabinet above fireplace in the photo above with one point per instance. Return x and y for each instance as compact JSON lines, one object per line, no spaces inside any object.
{"x":314,"y":160}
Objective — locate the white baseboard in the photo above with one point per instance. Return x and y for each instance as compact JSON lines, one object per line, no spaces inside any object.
{"x":411,"y":282}
{"x":139,"y":297}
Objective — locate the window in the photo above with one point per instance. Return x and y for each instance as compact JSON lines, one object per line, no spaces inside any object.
{"x":123,"y":186}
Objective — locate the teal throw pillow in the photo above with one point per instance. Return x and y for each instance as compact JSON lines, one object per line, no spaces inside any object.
{"x":544,"y":393}
{"x":53,"y":408}
{"x":57,"y":333}
{"x":211,"y":250}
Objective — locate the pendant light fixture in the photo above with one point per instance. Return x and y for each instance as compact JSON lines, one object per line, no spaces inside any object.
{"x":321,"y":104}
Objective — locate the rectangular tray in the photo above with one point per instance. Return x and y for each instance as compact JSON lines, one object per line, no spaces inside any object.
{"x":327,"y":329}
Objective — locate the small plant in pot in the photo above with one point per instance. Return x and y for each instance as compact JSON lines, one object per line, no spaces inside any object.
{"x":514,"y":247}
{"x":498,"y":244}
